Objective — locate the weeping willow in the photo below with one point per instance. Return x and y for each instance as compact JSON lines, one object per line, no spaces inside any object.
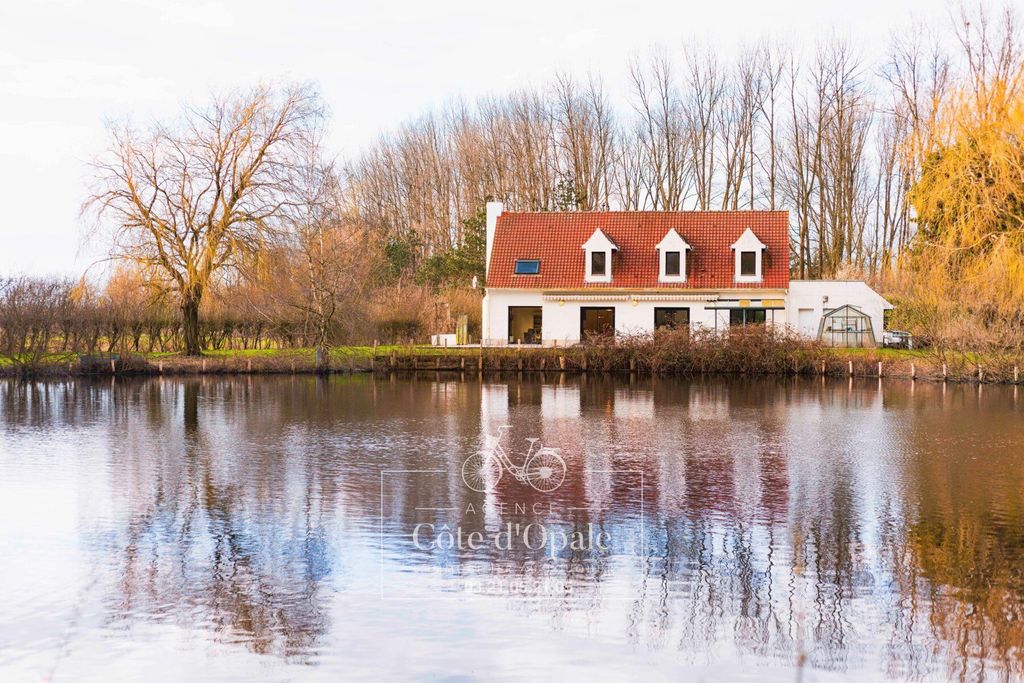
{"x":967,"y":259}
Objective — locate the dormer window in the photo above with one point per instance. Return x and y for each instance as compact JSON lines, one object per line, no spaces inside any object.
{"x":598,"y":254}
{"x":749,"y":251}
{"x":672,"y":257}
{"x":748,"y":263}
{"x":671,"y":263}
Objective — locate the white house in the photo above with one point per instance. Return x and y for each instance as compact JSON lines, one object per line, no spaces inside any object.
{"x":553,"y":278}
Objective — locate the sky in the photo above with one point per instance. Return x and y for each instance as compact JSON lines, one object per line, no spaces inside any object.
{"x":68,"y":67}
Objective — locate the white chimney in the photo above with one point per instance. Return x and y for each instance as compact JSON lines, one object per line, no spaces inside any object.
{"x":494,"y":210}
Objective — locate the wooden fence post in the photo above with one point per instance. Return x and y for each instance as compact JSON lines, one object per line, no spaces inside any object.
{"x":944,"y":372}
{"x":913,"y":371}
{"x":851,"y":368}
{"x":1016,"y":374}
{"x":879,"y":368}
{"x":561,"y":362}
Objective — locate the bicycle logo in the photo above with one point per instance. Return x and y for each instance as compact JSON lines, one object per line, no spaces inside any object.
{"x":544,"y":470}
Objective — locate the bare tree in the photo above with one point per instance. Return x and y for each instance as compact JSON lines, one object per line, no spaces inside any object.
{"x":332,"y":258}
{"x":190,"y":198}
{"x":585,"y":135}
{"x":31,"y":310}
{"x":706,"y":88}
{"x":661,"y":133}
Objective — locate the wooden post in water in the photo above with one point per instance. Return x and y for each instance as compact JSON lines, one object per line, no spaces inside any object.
{"x":913,"y":371}
{"x":462,"y":362}
{"x":879,"y":368}
{"x":1016,"y":374}
{"x":981,"y":375}
{"x":851,"y":368}
{"x":249,"y":366}
{"x":204,"y":365}
{"x":944,"y":372}
{"x":632,"y":364}
{"x":822,"y":368}
{"x":113,"y":365}
{"x":160,"y":367}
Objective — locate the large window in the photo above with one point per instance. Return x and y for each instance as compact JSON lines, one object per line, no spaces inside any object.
{"x":525,"y":325}
{"x":527,"y":266}
{"x":748,"y":263}
{"x":672,"y":261}
{"x":746,"y":316}
{"x":673,"y":318}
{"x":598,"y":263}
{"x":596,"y":321}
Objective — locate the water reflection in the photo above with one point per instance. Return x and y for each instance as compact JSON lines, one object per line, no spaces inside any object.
{"x":855,"y":527}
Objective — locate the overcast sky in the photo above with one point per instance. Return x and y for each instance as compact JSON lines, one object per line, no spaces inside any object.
{"x":67,"y":66}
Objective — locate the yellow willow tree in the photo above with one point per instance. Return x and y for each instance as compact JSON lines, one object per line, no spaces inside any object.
{"x":189,"y":199}
{"x":968,"y":254}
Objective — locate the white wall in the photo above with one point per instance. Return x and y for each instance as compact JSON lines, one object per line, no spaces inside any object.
{"x":808,"y":296}
{"x":561,"y":322}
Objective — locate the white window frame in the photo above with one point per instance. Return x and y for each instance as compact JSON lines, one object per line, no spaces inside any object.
{"x":599,"y":242}
{"x":672,"y":241}
{"x":748,"y":241}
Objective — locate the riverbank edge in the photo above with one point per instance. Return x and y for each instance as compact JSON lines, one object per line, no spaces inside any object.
{"x":872,"y":363}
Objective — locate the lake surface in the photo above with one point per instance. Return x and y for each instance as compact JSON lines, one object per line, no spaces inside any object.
{"x":280,"y":528}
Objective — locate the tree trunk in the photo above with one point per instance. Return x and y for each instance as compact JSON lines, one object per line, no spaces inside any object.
{"x":322,"y":363}
{"x":190,"y":325}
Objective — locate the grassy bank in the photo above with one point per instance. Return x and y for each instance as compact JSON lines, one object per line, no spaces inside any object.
{"x":751,"y":352}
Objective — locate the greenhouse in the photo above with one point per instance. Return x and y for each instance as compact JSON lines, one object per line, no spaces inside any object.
{"x":846,"y":326}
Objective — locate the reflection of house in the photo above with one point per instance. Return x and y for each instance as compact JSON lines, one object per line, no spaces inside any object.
{"x":555,"y":278}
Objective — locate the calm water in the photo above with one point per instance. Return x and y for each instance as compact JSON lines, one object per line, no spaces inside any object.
{"x":299,"y":528}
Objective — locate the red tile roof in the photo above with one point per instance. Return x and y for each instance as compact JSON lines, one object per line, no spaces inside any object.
{"x":557,"y":238}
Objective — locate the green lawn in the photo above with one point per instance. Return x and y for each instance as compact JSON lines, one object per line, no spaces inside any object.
{"x":883,"y":353}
